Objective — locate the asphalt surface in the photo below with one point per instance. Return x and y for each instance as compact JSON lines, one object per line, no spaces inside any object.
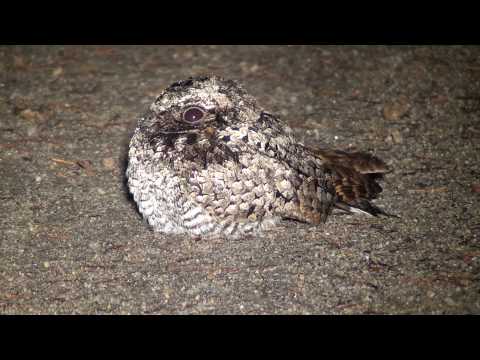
{"x":72,"y":241}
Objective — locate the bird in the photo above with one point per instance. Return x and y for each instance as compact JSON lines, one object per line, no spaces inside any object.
{"x":207,"y":159}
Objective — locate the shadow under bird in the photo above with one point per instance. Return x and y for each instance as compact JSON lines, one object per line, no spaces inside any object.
{"x":207,"y":159}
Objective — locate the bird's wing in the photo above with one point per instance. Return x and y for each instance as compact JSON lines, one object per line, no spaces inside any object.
{"x":355,"y":179}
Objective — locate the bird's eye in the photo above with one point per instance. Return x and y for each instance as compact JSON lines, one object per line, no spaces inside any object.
{"x":193,"y":115}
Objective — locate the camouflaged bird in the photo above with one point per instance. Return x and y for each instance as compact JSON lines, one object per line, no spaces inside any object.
{"x":206,"y":159}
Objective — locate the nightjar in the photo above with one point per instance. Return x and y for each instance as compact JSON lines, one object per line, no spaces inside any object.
{"x":206,"y":159}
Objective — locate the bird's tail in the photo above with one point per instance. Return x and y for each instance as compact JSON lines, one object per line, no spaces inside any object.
{"x":355,"y":179}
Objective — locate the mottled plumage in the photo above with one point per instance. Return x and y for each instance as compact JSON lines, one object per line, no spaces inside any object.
{"x":207,"y":159}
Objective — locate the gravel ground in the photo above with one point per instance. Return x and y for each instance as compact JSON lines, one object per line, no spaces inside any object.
{"x":73,"y":242}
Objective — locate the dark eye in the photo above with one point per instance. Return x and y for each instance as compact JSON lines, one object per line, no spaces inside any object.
{"x":193,"y":115}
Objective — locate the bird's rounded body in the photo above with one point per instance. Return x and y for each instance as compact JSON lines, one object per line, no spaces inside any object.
{"x":206,"y":159}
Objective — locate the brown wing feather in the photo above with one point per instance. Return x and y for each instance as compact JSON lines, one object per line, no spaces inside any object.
{"x":361,"y":162}
{"x":355,"y":177}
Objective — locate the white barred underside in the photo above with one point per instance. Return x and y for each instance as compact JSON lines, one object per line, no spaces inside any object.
{"x":168,"y":203}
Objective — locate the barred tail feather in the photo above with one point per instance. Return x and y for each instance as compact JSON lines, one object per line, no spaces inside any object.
{"x":355,"y":180}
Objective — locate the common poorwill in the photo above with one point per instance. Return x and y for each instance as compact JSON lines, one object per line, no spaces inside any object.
{"x":207,"y":159}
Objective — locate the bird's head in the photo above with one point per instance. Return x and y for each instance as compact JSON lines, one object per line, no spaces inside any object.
{"x":197,"y":108}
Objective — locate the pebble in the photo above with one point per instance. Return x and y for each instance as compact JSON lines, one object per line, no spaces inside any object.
{"x":57,"y":72}
{"x":32,"y":130}
{"x":94,"y":245}
{"x":397,"y":136}
{"x":31,"y":115}
{"x":87,"y":165}
{"x":109,"y":163}
{"x":450,"y":301}
{"x":397,"y":109}
{"x":19,"y":62}
{"x":249,"y":68}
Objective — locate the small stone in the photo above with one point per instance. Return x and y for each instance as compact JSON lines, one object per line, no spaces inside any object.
{"x":440,"y":99}
{"x":38,"y":178}
{"x":397,"y":109}
{"x":166,"y":294}
{"x":94,"y":245}
{"x":19,"y":62}
{"x":57,"y":72}
{"x":430,"y":294}
{"x":188,"y":54}
{"x":249,"y":68}
{"x":395,"y":137}
{"x":29,"y":114}
{"x":254,"y":68}
{"x":46,"y":264}
{"x":109,"y":163}
{"x":87,"y":165}
{"x":450,"y":301}
{"x":32,"y":130}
